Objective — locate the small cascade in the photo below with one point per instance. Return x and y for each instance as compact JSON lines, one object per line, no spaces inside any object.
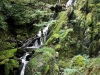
{"x":40,"y":37}
{"x":71,"y":2}
{"x":45,"y":32}
{"x":24,"y":62}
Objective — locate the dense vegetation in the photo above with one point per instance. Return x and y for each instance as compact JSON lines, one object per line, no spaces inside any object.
{"x":73,"y":44}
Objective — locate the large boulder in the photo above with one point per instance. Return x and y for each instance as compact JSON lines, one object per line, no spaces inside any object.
{"x":42,"y":63}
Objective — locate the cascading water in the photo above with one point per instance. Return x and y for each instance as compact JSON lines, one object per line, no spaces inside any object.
{"x":45,"y":32}
{"x":24,"y":62}
{"x":41,"y":37}
{"x":71,"y":2}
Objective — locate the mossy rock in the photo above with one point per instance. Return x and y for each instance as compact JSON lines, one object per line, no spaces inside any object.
{"x":61,"y":18}
{"x":52,"y":38}
{"x":6,"y":54}
{"x":78,"y":61}
{"x":62,"y":63}
{"x":42,"y":63}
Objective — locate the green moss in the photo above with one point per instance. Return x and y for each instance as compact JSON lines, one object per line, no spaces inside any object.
{"x":57,"y":47}
{"x":52,"y":38}
{"x":7,"y":67}
{"x":45,"y":69}
{"x":4,"y":61}
{"x":98,"y":24}
{"x":98,"y":4}
{"x":78,"y":61}
{"x":10,"y":65}
{"x":5,"y":54}
{"x":56,"y":67}
{"x":91,"y":5}
{"x":79,"y":14}
{"x":14,"y":63}
{"x":64,"y":34}
{"x":62,"y":63}
{"x":61,"y":18}
{"x":45,"y":49}
{"x":42,"y":62}
{"x":81,"y":5}
{"x":39,"y":64}
{"x":89,"y":19}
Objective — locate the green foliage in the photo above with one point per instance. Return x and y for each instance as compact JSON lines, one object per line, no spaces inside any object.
{"x":26,"y":14}
{"x":14,"y":63}
{"x":10,"y":65}
{"x":89,"y":19}
{"x":7,"y":54}
{"x":68,"y":71}
{"x":64,"y":33}
{"x":78,"y":61}
{"x":58,"y":47}
{"x":7,"y":67}
{"x":45,"y":49}
{"x":6,"y":45}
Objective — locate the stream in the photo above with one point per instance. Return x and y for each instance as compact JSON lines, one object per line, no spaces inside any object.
{"x":37,"y":41}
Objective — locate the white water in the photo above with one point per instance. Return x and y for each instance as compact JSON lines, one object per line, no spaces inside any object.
{"x":35,"y":45}
{"x":24,"y":62}
{"x":45,"y":31}
{"x":71,"y":2}
{"x":39,"y":33}
{"x":42,"y":38}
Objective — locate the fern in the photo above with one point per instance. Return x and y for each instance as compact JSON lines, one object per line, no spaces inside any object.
{"x":68,"y":71}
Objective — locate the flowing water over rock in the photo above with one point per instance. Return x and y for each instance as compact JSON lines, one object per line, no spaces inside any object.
{"x":24,"y":62}
{"x":71,"y":2}
{"x":35,"y":43}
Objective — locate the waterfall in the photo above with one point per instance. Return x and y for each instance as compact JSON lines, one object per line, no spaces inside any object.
{"x":71,"y":2}
{"x":24,"y":62}
{"x":40,"y":38}
{"x":45,"y":31}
